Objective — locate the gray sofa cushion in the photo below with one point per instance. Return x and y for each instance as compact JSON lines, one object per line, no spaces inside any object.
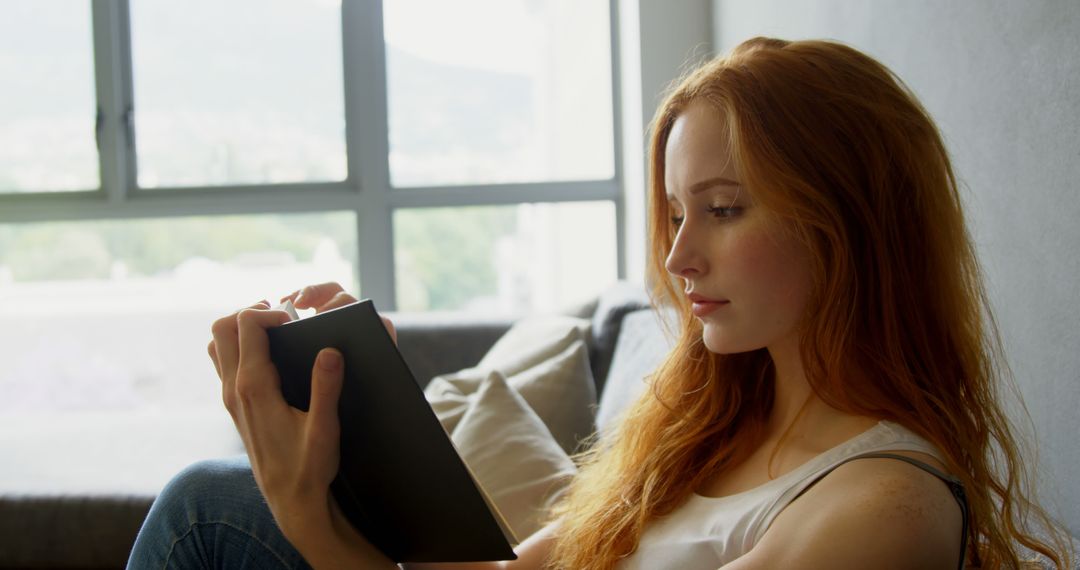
{"x":641,"y":347}
{"x":436,"y":344}
{"x":69,"y":531}
{"x":612,"y":306}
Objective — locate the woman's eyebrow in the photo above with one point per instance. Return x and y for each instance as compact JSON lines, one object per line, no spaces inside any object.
{"x":699,"y":187}
{"x":704,"y":185}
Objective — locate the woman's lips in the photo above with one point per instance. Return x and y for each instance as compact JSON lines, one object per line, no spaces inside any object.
{"x":703,"y":308}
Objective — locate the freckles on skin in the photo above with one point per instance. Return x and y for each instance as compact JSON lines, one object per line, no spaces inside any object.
{"x":772,"y":268}
{"x":770,"y":253}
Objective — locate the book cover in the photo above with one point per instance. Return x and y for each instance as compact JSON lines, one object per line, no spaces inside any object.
{"x":400,"y":483}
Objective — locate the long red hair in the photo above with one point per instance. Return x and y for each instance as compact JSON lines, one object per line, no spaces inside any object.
{"x":898,"y":326}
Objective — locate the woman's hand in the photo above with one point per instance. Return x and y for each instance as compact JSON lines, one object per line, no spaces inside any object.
{"x":294,"y":455}
{"x":326,"y":296}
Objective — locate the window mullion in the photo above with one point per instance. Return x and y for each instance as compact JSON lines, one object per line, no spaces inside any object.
{"x":112,"y":73}
{"x":504,"y":194}
{"x":367,"y":144}
{"x":617,"y":138}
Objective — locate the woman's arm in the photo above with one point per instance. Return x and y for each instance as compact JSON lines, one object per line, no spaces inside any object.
{"x":867,"y":514}
{"x":531,"y":555}
{"x":338,"y":545}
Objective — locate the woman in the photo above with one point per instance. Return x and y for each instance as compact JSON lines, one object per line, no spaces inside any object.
{"x":831,"y":401}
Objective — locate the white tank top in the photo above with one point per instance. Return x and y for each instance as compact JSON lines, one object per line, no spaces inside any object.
{"x":708,"y":532}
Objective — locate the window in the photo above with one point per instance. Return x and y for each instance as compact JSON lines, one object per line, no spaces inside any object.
{"x":283,"y":106}
{"x":503,"y":259}
{"x":484,"y":91}
{"x":238,"y":92}
{"x":47,"y":116}
{"x":116,"y":314}
{"x":161,"y":165}
{"x":105,"y":325}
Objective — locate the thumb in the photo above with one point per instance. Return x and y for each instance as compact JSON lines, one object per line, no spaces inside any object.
{"x":326,"y":380}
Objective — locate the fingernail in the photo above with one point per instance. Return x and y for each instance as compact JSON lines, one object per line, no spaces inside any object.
{"x":330,"y":360}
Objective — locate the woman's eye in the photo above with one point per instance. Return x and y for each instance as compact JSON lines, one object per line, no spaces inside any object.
{"x":725,"y":212}
{"x":719,"y":212}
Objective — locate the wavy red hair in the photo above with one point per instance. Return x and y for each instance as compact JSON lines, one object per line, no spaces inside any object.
{"x":898,"y":326}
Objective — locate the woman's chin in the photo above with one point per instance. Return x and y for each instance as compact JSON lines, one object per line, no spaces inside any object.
{"x":717,"y":346}
{"x":724,"y":344}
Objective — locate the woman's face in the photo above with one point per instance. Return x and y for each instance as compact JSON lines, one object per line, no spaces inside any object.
{"x":747,"y":278}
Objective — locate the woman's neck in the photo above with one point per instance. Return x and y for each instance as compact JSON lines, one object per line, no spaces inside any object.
{"x":797,"y":410}
{"x":792,"y":392}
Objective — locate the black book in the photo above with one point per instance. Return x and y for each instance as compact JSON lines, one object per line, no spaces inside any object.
{"x":400,"y":483}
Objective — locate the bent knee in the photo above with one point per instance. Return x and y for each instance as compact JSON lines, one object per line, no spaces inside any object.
{"x":211,"y":510}
{"x":208,"y":490}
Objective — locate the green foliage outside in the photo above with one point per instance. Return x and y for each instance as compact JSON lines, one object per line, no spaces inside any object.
{"x":445,"y":256}
{"x":87,"y":250}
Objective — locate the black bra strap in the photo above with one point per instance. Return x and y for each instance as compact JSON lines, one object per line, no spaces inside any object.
{"x":955,"y":486}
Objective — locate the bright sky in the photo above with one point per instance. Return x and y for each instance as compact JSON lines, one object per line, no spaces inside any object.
{"x":498,"y":35}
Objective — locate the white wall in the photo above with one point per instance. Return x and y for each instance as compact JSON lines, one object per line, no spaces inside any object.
{"x":1002,"y":78}
{"x":658,"y":39}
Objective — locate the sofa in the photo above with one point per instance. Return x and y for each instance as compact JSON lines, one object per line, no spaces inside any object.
{"x":622,"y":340}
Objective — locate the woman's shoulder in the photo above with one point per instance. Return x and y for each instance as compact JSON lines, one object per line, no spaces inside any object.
{"x":867,"y":510}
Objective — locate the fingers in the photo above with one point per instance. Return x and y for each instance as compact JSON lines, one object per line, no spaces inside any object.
{"x":226,"y":347}
{"x":326,"y":381}
{"x":213,"y":357}
{"x":254,"y":369}
{"x":314,"y":296}
{"x":326,"y":296}
{"x":321,"y":297}
{"x":339,"y":300}
{"x":389,"y":328}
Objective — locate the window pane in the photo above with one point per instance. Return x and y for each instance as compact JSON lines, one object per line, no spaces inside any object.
{"x":104,"y":333}
{"x":132,"y":300}
{"x":238,"y":92}
{"x":488,"y":91}
{"x":508,"y":260}
{"x":47,"y":103}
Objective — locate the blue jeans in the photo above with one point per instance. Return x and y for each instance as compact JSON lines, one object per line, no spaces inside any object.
{"x":212,"y":515}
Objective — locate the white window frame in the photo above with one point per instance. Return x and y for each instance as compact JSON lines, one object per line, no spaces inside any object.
{"x":366,"y":191}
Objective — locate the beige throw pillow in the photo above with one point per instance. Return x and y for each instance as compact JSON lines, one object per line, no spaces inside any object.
{"x":546,"y":360}
{"x":512,"y":455}
{"x":450,"y":395}
{"x":560,"y":390}
{"x":531,"y":341}
{"x":562,"y":393}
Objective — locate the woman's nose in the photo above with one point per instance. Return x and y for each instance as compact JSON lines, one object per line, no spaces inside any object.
{"x":683,"y":260}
